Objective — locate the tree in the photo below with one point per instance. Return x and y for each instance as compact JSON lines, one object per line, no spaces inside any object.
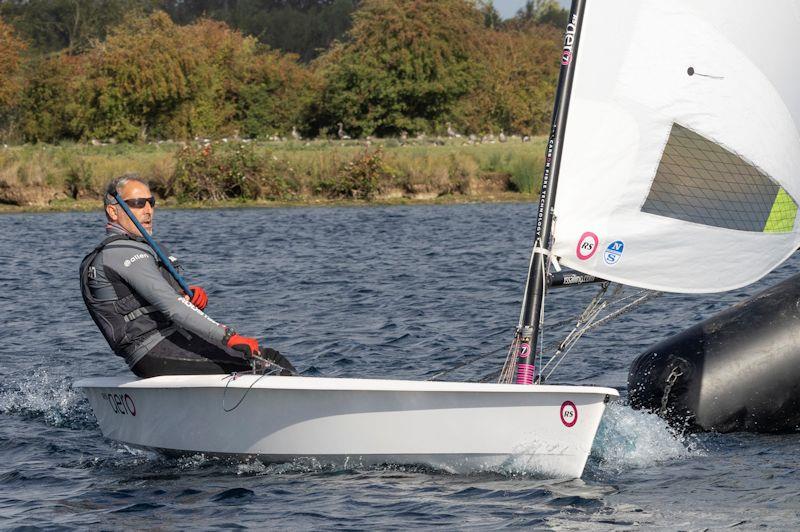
{"x":265,"y":91}
{"x":541,"y":12}
{"x":403,"y":66}
{"x":516,"y":93}
{"x":10,"y":49}
{"x":303,"y":27}
{"x":56,"y":102}
{"x":491,"y":18}
{"x":53,"y":25}
{"x":146,"y":74}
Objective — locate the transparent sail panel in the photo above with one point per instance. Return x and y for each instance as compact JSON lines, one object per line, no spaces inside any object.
{"x":700,"y":181}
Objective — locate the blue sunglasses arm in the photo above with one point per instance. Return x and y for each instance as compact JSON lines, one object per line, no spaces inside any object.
{"x":164,"y":259}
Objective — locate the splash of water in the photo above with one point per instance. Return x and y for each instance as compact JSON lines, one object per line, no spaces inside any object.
{"x":630,"y":438}
{"x":47,"y":395}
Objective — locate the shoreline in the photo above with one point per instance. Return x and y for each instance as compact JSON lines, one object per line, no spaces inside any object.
{"x":86,"y":205}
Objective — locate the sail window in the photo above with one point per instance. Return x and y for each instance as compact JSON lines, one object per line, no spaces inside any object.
{"x":700,"y":181}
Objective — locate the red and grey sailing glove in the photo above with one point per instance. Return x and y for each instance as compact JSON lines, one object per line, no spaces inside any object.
{"x":248,"y":346}
{"x":199,"y":297}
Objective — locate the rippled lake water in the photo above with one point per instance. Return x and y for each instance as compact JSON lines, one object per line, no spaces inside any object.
{"x":390,"y":292}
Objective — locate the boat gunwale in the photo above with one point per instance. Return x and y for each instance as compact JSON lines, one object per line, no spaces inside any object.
{"x":331,"y":384}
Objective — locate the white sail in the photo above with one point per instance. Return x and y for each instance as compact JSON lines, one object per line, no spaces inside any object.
{"x":681,"y":159}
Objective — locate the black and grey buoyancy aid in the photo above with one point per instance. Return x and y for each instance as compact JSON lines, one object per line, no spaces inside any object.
{"x":124,"y":317}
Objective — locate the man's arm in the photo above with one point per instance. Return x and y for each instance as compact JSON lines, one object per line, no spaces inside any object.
{"x":136,"y":264}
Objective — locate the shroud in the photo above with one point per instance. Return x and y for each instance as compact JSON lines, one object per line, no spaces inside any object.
{"x":736,"y":371}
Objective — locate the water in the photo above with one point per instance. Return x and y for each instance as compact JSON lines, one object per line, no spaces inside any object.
{"x":397,"y":292}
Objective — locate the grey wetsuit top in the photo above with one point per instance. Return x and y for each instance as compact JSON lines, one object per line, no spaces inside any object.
{"x":137,"y":265}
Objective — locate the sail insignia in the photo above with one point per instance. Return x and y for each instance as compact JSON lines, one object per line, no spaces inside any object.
{"x":699,"y":181}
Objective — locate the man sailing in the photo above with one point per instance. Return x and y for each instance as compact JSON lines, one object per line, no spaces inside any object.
{"x":141,"y":309}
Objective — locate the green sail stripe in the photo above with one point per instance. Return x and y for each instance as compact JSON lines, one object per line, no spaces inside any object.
{"x":781,"y":217}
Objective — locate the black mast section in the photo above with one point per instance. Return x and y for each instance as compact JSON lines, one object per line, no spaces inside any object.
{"x":529,"y":326}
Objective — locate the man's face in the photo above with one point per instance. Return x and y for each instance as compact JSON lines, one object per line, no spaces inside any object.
{"x":133,"y":190}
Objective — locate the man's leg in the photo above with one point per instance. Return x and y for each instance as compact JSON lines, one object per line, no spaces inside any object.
{"x":275,"y":356}
{"x":177,"y":355}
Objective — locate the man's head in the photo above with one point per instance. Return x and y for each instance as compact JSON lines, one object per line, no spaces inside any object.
{"x":136,"y":194}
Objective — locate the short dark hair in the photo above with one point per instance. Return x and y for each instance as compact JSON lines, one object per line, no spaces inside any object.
{"x":116,"y":184}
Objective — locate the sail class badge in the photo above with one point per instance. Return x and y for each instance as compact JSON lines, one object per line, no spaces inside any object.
{"x":587,"y":245}
{"x":613,"y":252}
{"x":569,"y":414}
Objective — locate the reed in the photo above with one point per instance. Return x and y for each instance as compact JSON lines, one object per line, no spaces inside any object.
{"x":288,"y":170}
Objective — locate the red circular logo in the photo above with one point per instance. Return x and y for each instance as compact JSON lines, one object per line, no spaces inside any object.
{"x":569,"y":413}
{"x":587,"y":245}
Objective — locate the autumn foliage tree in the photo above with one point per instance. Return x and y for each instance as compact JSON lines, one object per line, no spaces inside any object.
{"x":151,"y":78}
{"x":520,"y":72}
{"x":416,"y":64}
{"x":10,"y":49}
{"x":403,"y":66}
{"x":56,"y":102}
{"x":267,"y":91}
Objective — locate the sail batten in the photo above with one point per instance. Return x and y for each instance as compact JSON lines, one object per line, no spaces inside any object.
{"x":681,"y":158}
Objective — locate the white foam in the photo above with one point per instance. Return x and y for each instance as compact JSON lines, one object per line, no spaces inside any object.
{"x":630,"y":438}
{"x":45,"y":394}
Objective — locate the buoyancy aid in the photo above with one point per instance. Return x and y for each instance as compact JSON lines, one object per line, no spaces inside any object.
{"x":126,"y":320}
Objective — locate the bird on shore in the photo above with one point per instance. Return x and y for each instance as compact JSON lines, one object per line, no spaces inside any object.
{"x":452,"y":132}
{"x":502,"y":137}
{"x":341,"y":133}
{"x":295,"y":134}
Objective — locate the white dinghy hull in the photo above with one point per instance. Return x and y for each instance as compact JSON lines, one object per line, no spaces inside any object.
{"x":460,"y":427}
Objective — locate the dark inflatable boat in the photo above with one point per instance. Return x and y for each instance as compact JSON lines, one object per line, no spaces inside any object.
{"x":736,"y":371}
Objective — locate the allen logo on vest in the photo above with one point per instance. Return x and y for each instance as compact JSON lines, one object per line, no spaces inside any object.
{"x":133,"y":259}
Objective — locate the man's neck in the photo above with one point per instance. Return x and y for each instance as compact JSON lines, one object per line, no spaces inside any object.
{"x":113,"y":228}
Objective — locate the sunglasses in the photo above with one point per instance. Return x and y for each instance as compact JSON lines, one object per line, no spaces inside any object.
{"x":139,"y":203}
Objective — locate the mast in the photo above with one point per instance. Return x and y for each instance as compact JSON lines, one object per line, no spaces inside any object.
{"x":527,"y":334}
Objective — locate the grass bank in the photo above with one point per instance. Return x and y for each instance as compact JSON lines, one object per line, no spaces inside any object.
{"x":228,"y":173}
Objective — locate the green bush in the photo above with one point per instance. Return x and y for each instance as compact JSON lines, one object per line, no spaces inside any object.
{"x":218,"y":173}
{"x":360,"y":178}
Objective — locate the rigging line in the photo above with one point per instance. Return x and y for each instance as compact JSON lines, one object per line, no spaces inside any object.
{"x":596,"y":305}
{"x":630,"y":306}
{"x":610,"y":303}
{"x":570,"y":340}
{"x":232,"y":377}
{"x":574,"y":335}
{"x":561,"y":354}
{"x":474,"y":359}
{"x":467,"y":363}
{"x":506,"y":371}
{"x":589,"y":316}
{"x":594,"y":324}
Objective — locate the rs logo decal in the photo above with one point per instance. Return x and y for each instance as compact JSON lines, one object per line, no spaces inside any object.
{"x":569,"y":414}
{"x":587,"y":245}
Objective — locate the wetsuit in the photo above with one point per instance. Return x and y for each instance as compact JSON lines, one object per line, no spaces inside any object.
{"x":142,"y":313}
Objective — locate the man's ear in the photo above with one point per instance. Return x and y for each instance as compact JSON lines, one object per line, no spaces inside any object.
{"x":111,"y":212}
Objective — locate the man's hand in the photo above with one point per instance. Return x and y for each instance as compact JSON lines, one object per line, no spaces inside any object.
{"x":199,"y":297}
{"x":248,"y":346}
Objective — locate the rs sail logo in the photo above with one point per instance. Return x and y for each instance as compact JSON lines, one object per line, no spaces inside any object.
{"x":587,"y":245}
{"x":613,"y":252}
